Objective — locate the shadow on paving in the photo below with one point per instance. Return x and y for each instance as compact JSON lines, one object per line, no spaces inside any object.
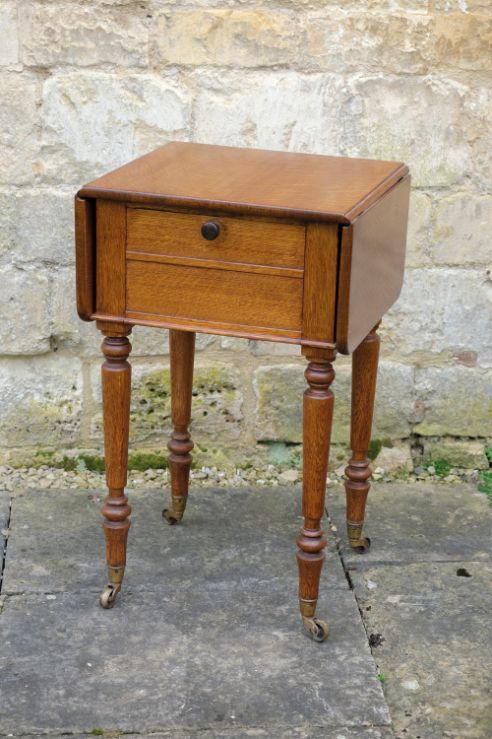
{"x":205,"y":637}
{"x":425,"y":593}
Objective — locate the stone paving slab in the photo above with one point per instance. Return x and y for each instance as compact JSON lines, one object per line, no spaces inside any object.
{"x":272,"y":732}
{"x":308,"y":732}
{"x":419,"y":523}
{"x":210,"y":660}
{"x":206,"y":636}
{"x":437,"y":648}
{"x":242,"y":538}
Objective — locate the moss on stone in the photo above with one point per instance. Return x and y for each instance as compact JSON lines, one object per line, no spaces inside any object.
{"x":485,"y":484}
{"x":142,"y":461}
{"x":374,"y":448}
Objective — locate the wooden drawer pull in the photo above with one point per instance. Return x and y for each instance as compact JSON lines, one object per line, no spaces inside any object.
{"x":210,"y":230}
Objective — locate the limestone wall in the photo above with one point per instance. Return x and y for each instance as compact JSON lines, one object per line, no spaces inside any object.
{"x":86,"y":86}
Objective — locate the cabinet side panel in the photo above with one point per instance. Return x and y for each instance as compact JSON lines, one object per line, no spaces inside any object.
{"x":110,"y":258}
{"x":320,"y":282}
{"x":85,"y":257}
{"x":372,"y":263}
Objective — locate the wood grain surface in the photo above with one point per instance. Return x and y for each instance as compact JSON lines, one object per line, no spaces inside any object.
{"x":250,"y":181}
{"x":239,"y":240}
{"x":85,"y":257}
{"x":244,"y":298}
{"x":372,"y":260}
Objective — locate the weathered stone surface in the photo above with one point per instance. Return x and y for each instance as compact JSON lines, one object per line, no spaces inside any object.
{"x":418,"y":229}
{"x":279,"y":390}
{"x":253,"y":556}
{"x":9,"y":48}
{"x":469,"y":454}
{"x":97,"y":121}
{"x":24,"y":311}
{"x":183,"y":632}
{"x":468,"y":6}
{"x":216,"y":405}
{"x":460,"y":229}
{"x":19,"y":122}
{"x":41,"y":401}
{"x":439,"y":310}
{"x":437,"y":645}
{"x":339,"y":41}
{"x":181,"y":652}
{"x":307,"y":732}
{"x":67,"y":330}
{"x":83,"y":35}
{"x":274,"y":110}
{"x":418,"y":523}
{"x":37,"y":226}
{"x":455,"y":401}
{"x":394,"y":407}
{"x":379,"y":121}
{"x":395,"y":458}
{"x":463,"y":40}
{"x":231,"y":37}
{"x":274,"y":349}
{"x":303,"y":732}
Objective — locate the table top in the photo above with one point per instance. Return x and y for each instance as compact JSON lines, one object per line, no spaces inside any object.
{"x":250,"y":181}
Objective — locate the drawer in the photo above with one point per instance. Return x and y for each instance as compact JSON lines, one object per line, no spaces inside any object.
{"x":239,"y":240}
{"x":213,"y":296}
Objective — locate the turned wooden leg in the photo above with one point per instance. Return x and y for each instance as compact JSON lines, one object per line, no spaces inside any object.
{"x":116,"y":379}
{"x":317,"y":420}
{"x":358,"y":471}
{"x":182,"y":350}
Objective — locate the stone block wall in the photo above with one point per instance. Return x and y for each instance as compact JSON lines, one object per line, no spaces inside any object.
{"x":86,"y":86}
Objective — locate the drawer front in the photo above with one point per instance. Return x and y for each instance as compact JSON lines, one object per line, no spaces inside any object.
{"x":239,"y":240}
{"x":214,"y":296}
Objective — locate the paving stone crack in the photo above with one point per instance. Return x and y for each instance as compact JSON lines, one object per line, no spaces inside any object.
{"x":338,"y":543}
{"x":4,"y":551}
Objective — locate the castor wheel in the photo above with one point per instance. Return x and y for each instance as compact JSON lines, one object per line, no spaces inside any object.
{"x":171,"y":516}
{"x":361,"y":546}
{"x":317,"y":629}
{"x":174,"y":514}
{"x":108,"y":595}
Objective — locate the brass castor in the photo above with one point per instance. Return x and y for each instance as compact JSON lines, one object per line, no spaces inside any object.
{"x":108,"y":595}
{"x":171,"y":516}
{"x":317,"y":629}
{"x":360,"y":544}
{"x":174,"y":514}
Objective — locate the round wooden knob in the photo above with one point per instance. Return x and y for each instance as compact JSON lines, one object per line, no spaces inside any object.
{"x":210,"y":230}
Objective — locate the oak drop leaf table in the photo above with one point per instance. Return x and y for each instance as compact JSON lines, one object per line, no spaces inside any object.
{"x":258,"y":244}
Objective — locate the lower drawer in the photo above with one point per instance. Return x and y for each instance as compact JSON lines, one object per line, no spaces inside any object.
{"x":214,"y":295}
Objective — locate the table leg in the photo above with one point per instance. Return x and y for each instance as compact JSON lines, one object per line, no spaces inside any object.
{"x":182,"y":350}
{"x":358,"y":472}
{"x":317,"y":420}
{"x":116,"y":387}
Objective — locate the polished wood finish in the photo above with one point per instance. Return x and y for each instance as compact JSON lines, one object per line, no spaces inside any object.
{"x":212,"y":295}
{"x":110,"y":258}
{"x":317,"y":422}
{"x":320,"y":283}
{"x":250,"y":242}
{"x":182,"y":350}
{"x":116,"y":379}
{"x":372,"y":258}
{"x":264,"y":245}
{"x":250,"y":182}
{"x":85,"y":257}
{"x":358,"y":472}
